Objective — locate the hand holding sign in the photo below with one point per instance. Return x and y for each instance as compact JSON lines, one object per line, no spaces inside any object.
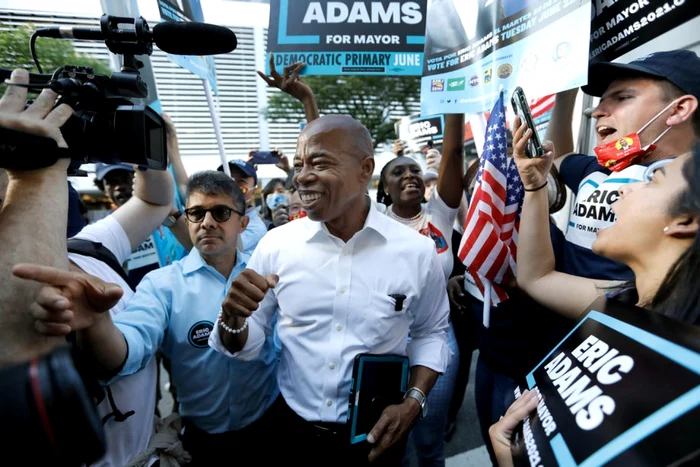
{"x":501,"y":432}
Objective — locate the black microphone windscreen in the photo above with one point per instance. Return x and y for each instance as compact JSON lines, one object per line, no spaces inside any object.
{"x":191,"y":38}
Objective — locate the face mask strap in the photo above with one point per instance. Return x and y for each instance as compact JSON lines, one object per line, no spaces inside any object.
{"x":653,"y":119}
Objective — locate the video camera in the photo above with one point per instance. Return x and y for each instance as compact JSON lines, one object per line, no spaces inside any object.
{"x":108,"y":126}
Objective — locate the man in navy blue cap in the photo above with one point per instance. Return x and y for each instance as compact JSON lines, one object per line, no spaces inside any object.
{"x":648,"y":112}
{"x":246,"y":177}
{"x":116,"y":181}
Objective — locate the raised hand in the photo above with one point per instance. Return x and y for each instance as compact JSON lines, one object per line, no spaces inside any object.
{"x":289,"y":81}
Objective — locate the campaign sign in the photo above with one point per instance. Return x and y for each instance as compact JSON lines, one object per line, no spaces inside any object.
{"x":623,"y":388}
{"x":348,"y":37}
{"x":417,"y":131}
{"x":621,"y":26}
{"x":189,"y":10}
{"x":473,"y":48}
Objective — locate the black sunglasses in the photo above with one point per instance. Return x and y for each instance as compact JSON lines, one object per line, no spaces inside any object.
{"x":220,"y":213}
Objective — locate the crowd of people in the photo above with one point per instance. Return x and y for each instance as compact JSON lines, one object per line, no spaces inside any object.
{"x":258,"y":313}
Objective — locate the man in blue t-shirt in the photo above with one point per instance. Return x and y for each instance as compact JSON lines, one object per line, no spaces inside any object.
{"x":659,"y":93}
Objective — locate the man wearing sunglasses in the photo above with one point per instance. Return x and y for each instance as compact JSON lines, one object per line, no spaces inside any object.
{"x":246,"y":177}
{"x":174,"y":309}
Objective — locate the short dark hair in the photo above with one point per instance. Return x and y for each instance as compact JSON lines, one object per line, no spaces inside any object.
{"x":670,"y":92}
{"x":212,"y":182}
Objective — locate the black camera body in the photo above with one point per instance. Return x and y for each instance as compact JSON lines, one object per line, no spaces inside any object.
{"x":108,"y":126}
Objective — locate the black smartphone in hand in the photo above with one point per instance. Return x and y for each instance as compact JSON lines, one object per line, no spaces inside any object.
{"x":265,"y":157}
{"x":522,"y":109}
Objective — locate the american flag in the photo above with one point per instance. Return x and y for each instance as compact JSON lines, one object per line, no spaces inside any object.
{"x":488,"y":246}
{"x":541,"y":106}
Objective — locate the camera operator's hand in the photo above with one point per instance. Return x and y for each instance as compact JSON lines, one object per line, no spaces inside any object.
{"x":40,"y":118}
{"x":533,"y":171}
{"x":69,"y":301}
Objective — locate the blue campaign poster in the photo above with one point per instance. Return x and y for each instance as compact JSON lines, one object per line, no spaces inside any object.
{"x":348,"y":37}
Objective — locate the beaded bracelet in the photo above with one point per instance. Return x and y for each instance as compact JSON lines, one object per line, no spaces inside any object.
{"x":228,"y":329}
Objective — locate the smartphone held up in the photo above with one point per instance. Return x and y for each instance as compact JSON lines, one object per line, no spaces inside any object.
{"x":522,"y":109}
{"x":265,"y":157}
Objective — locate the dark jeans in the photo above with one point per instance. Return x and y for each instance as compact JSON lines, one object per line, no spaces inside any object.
{"x":295,"y":441}
{"x":237,"y":448}
{"x":493,"y":394}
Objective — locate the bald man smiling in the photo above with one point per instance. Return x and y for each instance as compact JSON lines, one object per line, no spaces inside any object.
{"x":329,"y":283}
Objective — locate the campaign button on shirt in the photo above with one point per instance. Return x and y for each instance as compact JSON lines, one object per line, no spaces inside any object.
{"x":199,"y":334}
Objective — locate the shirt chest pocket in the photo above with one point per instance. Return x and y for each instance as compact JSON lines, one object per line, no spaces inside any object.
{"x":386,"y":319}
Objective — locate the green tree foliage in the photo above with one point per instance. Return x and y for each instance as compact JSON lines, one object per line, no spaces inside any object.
{"x":369,"y":99}
{"x":52,"y":53}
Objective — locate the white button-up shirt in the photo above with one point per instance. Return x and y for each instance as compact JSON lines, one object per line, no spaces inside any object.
{"x":332,"y":303}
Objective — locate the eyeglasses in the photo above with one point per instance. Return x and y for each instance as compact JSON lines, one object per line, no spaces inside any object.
{"x":243,"y":188}
{"x":220,"y":213}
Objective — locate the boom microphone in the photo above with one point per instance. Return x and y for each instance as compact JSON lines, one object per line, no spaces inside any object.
{"x":191,"y":38}
{"x":173,"y":37}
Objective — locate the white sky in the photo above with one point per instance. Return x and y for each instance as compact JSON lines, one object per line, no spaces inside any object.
{"x":222,"y":12}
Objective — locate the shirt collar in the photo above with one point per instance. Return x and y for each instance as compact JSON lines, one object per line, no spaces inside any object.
{"x":194,"y":262}
{"x":375,"y":222}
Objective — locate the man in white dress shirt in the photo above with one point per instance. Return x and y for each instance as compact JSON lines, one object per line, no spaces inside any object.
{"x":325,"y":283}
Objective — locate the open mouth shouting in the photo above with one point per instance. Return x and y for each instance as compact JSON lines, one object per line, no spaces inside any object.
{"x":604,"y":132}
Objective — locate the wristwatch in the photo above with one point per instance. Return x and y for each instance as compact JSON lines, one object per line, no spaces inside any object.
{"x":418,"y":395}
{"x":172,"y":219}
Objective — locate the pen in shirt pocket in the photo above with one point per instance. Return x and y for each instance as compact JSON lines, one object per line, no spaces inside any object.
{"x":398,"y":301}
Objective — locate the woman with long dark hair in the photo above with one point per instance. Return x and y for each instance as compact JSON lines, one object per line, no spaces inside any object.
{"x":655,"y":234}
{"x":400,"y":195}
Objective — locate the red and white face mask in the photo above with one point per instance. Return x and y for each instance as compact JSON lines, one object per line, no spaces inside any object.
{"x":620,"y":154}
{"x":299,"y":215}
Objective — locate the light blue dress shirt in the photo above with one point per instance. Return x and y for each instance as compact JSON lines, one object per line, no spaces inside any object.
{"x":254,"y":232}
{"x":176,"y":307}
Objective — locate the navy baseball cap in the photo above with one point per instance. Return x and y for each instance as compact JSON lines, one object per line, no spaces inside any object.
{"x":680,"y":67}
{"x":246,"y":168}
{"x":103,"y":169}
